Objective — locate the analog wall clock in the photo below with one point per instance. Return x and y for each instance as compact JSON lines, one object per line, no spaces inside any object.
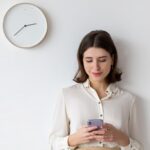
{"x":25,"y":25}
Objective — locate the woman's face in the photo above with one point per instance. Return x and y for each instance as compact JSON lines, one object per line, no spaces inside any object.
{"x":97,"y":63}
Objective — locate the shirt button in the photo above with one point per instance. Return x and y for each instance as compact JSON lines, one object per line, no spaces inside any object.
{"x":99,"y":102}
{"x":101,"y":115}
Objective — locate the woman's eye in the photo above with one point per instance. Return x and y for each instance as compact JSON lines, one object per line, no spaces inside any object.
{"x":88,"y":61}
{"x":102,"y":60}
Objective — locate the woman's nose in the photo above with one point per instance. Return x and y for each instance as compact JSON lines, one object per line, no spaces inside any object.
{"x":96,"y":66}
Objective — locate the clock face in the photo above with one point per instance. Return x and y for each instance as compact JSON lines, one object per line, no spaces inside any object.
{"x":25,"y":25}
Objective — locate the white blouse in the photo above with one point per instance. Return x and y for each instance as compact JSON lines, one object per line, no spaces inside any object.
{"x":80,"y":102}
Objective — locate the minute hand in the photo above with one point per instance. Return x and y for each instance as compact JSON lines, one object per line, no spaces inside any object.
{"x":19,"y":30}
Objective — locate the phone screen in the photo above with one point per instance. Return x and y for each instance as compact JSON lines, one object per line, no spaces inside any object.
{"x":95,"y":122}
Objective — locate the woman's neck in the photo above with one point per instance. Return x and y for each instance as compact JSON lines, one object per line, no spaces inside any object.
{"x":100,"y":87}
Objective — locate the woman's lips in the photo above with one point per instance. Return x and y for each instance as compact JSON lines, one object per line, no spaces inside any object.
{"x":97,"y":74}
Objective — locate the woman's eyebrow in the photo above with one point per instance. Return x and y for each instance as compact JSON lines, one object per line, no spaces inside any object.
{"x":98,"y":57}
{"x":102,"y":57}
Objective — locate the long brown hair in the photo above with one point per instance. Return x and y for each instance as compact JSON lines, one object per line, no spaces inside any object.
{"x":98,"y":39}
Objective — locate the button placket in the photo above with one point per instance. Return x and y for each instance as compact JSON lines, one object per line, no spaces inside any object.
{"x":101,"y":144}
{"x":95,"y":94}
{"x":101,"y":116}
{"x":100,"y":108}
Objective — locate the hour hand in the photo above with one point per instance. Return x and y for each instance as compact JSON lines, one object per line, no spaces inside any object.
{"x":30,"y":24}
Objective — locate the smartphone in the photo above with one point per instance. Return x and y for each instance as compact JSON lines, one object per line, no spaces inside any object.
{"x":95,"y":122}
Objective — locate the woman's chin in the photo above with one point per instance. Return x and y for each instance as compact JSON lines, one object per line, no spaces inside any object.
{"x":97,"y":79}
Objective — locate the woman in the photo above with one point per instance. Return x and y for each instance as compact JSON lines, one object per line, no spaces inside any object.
{"x":95,"y":96}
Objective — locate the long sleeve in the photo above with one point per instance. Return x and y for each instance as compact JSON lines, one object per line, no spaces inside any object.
{"x":133,"y":129}
{"x":59,"y":127}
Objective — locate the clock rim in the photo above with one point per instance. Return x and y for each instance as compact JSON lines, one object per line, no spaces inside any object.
{"x":46,"y":27}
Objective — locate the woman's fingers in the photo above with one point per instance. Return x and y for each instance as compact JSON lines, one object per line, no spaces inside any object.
{"x":92,"y":133}
{"x":89,"y":129}
{"x":107,"y":126}
{"x":99,"y":132}
{"x":106,"y":133}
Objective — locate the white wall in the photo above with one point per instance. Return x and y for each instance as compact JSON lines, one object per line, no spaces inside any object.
{"x":30,"y":79}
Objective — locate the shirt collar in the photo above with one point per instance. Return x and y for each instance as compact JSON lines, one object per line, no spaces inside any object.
{"x":111,"y":89}
{"x":86,"y":84}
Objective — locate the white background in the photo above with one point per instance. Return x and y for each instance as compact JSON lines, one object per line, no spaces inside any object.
{"x":30,"y":79}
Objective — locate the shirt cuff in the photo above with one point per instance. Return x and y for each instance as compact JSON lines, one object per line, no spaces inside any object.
{"x":131,"y":146}
{"x":66,"y":143}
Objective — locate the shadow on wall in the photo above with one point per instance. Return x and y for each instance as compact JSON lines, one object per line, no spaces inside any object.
{"x":125,"y":54}
{"x":125,"y":63}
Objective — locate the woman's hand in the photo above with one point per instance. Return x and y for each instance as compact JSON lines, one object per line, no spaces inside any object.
{"x":83,"y":135}
{"x":110,"y":134}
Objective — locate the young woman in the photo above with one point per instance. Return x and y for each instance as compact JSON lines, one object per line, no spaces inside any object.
{"x":95,"y":96}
